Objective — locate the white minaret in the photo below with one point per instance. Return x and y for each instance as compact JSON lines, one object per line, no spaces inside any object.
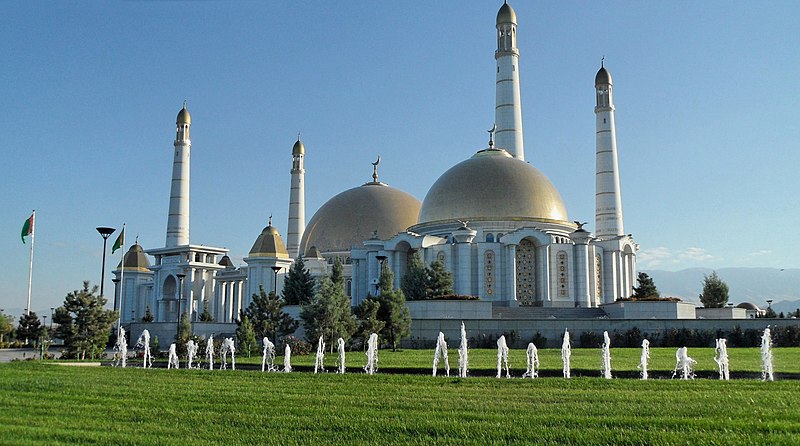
{"x":297,"y":202}
{"x":178,"y":220}
{"x":508,"y":107}
{"x":608,"y":200}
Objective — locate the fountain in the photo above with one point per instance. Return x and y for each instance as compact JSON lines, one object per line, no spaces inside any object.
{"x":173,"y":362}
{"x":684,"y":364}
{"x":268,"y":356}
{"x":721,"y":358}
{"x":566,"y":354}
{"x":287,"y":359}
{"x":210,"y":352}
{"x":340,"y":362}
{"x":144,"y":343}
{"x":372,"y":355}
{"x":766,"y":356}
{"x":441,"y":352}
{"x":645,"y":357}
{"x":121,"y":346}
{"x":191,"y":352}
{"x":532,"y":359}
{"x":318,"y":362}
{"x":606,"y":356}
{"x":463,"y":353}
{"x":502,"y":357}
{"x":228,"y":347}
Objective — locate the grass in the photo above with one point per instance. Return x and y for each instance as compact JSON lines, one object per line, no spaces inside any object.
{"x":586,"y":360}
{"x":47,"y":404}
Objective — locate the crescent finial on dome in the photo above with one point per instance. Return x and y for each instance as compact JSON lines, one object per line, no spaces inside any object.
{"x":375,"y":169}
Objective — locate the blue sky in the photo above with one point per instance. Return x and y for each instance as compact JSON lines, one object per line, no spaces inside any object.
{"x":705,"y":93}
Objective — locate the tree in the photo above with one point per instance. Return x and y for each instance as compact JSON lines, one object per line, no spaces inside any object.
{"x":84,"y":324}
{"x":646,"y":289}
{"x":205,"y":316}
{"x":184,"y":334}
{"x":328,"y":314}
{"x":246,"y":337}
{"x":30,"y":328}
{"x":392,"y":310}
{"x":337,"y":272}
{"x":298,"y":288}
{"x":415,"y":281}
{"x":440,"y":281}
{"x":715,"y":292}
{"x":148,"y":315}
{"x":266,"y":314}
{"x":368,"y":322}
{"x":5,"y":326}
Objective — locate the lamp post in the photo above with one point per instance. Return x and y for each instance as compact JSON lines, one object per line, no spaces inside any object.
{"x":105,"y":232}
{"x":116,"y":288}
{"x":180,"y":295}
{"x":52,"y":316}
{"x":380,"y":260}
{"x":275,"y":269}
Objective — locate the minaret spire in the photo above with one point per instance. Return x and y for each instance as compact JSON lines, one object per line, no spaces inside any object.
{"x":297,"y":203}
{"x":608,"y":199}
{"x":508,"y":105}
{"x":178,"y":218}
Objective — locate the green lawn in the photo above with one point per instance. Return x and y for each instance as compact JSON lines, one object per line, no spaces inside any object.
{"x":49,"y":404}
{"x":786,"y":360}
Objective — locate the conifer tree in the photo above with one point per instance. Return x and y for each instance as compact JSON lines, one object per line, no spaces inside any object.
{"x":246,"y":337}
{"x":337,"y":272}
{"x":368,"y":322}
{"x":298,"y":288}
{"x":29,"y":328}
{"x":440,"y":281}
{"x":205,"y":316}
{"x":415,"y":281}
{"x":646,"y":289}
{"x":266,"y":314}
{"x":392,"y":310}
{"x":715,"y":291}
{"x":84,"y":325}
{"x":328,"y":314}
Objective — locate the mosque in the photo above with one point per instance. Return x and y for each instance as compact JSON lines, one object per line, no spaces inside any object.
{"x":495,"y":221}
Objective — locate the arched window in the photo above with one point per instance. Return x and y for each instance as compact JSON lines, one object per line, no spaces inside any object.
{"x":490,"y":238}
{"x":348,"y":287}
{"x":169,"y":290}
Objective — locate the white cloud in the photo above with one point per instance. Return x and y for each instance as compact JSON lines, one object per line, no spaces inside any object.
{"x":695,"y":254}
{"x":663,"y":257}
{"x":653,"y":257}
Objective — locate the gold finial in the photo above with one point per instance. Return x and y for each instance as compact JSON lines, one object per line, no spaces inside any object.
{"x":137,"y":239}
{"x":375,"y":169}
{"x":270,"y":220}
{"x":298,"y":136}
{"x":602,"y":61}
{"x":491,"y":135}
{"x":184,"y":103}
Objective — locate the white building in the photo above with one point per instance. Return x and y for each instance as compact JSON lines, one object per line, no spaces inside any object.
{"x":494,"y":220}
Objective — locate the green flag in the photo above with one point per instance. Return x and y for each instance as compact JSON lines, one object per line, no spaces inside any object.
{"x":27,"y":228}
{"x":119,"y":242}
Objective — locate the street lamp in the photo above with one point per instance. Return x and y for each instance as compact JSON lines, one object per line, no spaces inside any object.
{"x":380,"y":260}
{"x":52,"y":316}
{"x":180,"y":295}
{"x":105,"y":232}
{"x":275,"y":269}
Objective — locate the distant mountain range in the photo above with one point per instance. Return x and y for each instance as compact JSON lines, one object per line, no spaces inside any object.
{"x":754,"y":285}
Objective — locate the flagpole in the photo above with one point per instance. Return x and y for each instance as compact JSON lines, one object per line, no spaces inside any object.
{"x":30,"y":266}
{"x":121,"y":277}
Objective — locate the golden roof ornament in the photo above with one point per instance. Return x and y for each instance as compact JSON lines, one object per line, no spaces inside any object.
{"x":375,"y":169}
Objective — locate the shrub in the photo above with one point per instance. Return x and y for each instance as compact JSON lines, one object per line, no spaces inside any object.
{"x":298,"y":346}
{"x":590,"y":339}
{"x":539,"y":341}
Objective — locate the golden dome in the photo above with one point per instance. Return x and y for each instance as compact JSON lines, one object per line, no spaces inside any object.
{"x":506,"y":14}
{"x":298,"y":148}
{"x":493,"y":185}
{"x":349,"y":218}
{"x":603,"y":77}
{"x":269,"y":244}
{"x":183,"y":116}
{"x":135,"y":259}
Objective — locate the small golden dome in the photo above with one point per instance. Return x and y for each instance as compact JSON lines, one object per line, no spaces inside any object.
{"x":349,"y":218}
{"x":183,"y":116}
{"x":298,"y":148}
{"x":506,"y":14}
{"x":135,"y":259}
{"x":603,"y":77}
{"x":269,"y":244}
{"x":493,"y":185}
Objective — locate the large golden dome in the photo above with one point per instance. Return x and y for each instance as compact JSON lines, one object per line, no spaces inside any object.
{"x":493,"y":186}
{"x":351,"y":217}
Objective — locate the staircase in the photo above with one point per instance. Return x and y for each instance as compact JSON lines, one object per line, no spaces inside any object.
{"x":546,"y":313}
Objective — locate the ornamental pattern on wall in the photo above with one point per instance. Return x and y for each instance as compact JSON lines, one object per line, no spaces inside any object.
{"x":563,"y":274}
{"x":488,"y":268}
{"x":526,"y":273}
